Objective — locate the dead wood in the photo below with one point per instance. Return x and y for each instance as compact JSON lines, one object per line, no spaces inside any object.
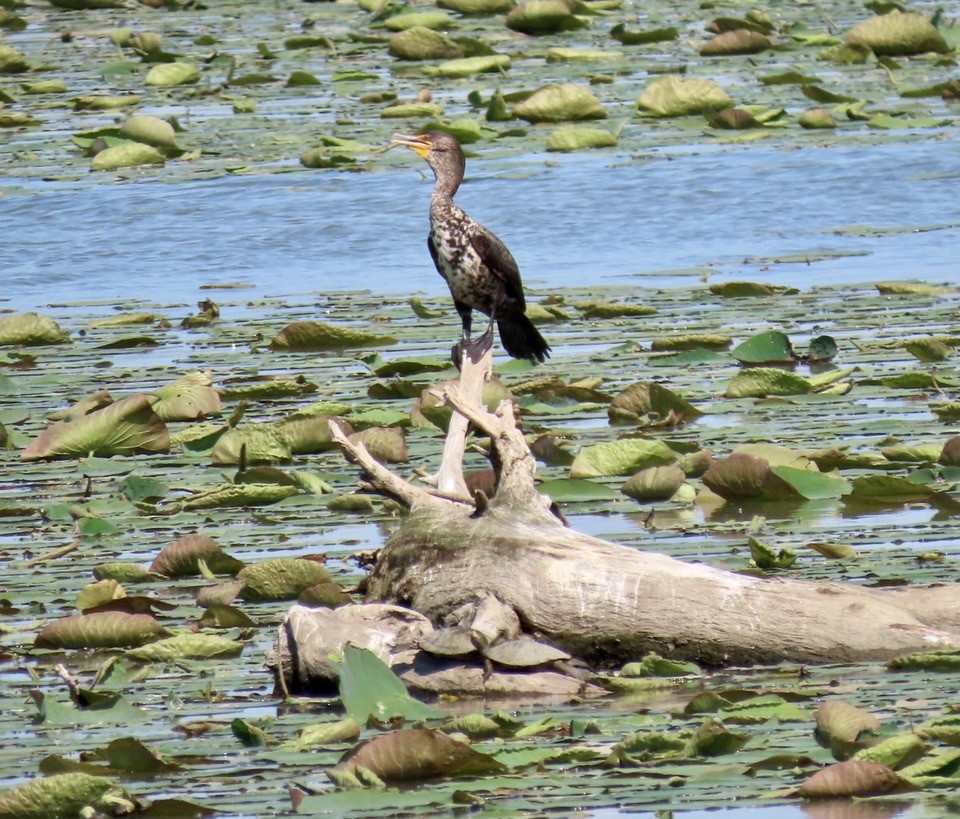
{"x":609,"y":603}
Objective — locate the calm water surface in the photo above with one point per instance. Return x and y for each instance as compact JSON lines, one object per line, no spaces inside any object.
{"x":570,"y":220}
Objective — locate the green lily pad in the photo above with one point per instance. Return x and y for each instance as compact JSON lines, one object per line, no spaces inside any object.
{"x":623,"y":457}
{"x":169,"y":74}
{"x":814,"y":118}
{"x":126,"y":426}
{"x":30,"y":329}
{"x":186,"y":646}
{"x":560,"y":103}
{"x":544,"y":17}
{"x":676,"y":96}
{"x":574,"y":490}
{"x":737,"y":41}
{"x":189,"y":398}
{"x":759,"y":382}
{"x":578,"y":139}
{"x":654,"y":483}
{"x":280,"y":578}
{"x":466,"y":66}
{"x":769,"y":347}
{"x":650,"y":400}
{"x":107,"y":629}
{"x":419,"y":43}
{"x":59,"y":796}
{"x":313,"y":335}
{"x":183,"y":557}
{"x":898,"y":33}
{"x":654,"y":35}
{"x":126,"y":154}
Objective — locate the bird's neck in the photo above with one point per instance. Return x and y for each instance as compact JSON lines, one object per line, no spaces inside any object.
{"x":444,"y":188}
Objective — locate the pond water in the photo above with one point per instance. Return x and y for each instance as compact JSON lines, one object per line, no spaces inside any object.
{"x":659,"y":220}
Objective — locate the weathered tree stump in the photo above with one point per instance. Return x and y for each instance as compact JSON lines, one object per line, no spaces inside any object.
{"x":608,"y":603}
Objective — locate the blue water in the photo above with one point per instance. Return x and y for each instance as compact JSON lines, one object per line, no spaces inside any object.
{"x":572,"y":220}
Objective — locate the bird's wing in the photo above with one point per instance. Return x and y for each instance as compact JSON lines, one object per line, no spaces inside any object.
{"x":436,"y":258}
{"x":498,"y":258}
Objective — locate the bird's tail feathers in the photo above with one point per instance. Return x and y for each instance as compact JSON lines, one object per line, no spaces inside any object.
{"x":521,"y":339}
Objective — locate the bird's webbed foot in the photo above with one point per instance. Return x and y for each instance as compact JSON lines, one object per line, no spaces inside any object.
{"x":476,"y":348}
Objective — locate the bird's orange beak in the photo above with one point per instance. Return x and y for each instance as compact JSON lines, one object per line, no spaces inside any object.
{"x":416,"y":142}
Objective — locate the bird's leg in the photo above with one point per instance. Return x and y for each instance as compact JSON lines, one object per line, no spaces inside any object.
{"x":480,"y":346}
{"x":466,"y":319}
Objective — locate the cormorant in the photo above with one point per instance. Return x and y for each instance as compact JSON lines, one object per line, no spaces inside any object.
{"x":479,"y":270}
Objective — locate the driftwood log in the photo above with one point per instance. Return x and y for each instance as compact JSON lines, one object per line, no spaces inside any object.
{"x":608,"y":603}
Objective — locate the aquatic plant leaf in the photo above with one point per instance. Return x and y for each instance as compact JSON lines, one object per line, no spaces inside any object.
{"x":654,"y":483}
{"x":841,"y":725}
{"x":182,"y":557}
{"x":764,"y":557}
{"x":131,"y":755}
{"x":369,"y":689}
{"x":572,"y":490}
{"x":654,"y":35}
{"x":386,"y":444}
{"x":313,"y":335}
{"x":30,"y":329}
{"x":280,"y":578}
{"x":246,"y":494}
{"x":768,"y":347}
{"x":186,"y":646}
{"x":607,"y":309}
{"x":466,"y":66}
{"x":834,"y":551}
{"x":811,"y":485}
{"x":853,"y":778}
{"x":894,"y":752}
{"x":759,"y":382}
{"x":738,"y":476}
{"x":126,"y":426}
{"x":61,"y":796}
{"x":189,"y":398}
{"x":423,"y":19}
{"x":736,"y":41}
{"x":253,"y":443}
{"x":814,"y":118}
{"x":477,"y":7}
{"x":123,"y":572}
{"x":944,"y":763}
{"x":126,"y":154}
{"x":249,"y":734}
{"x":740,"y":289}
{"x":622,"y":457}
{"x":543,"y":17}
{"x":169,"y":74}
{"x":421,"y":43}
{"x":713,"y":739}
{"x":149,"y":130}
{"x":578,"y":139}
{"x":560,"y":103}
{"x":412,"y":754}
{"x":327,"y":733}
{"x":887,"y":489}
{"x":109,"y":629}
{"x":99,"y":592}
{"x":945,"y":660}
{"x":580,"y":55}
{"x":647,"y":399}
{"x":898,"y":33}
{"x":928,"y":349}
{"x":653,"y":665}
{"x":676,"y":96}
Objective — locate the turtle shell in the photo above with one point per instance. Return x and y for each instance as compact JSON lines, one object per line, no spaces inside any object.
{"x":448,"y":642}
{"x":524,"y":652}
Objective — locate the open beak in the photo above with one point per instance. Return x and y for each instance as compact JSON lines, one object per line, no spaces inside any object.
{"x":416,"y":142}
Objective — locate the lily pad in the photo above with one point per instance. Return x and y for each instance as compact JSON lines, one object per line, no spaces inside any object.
{"x":898,"y":33}
{"x":560,"y":103}
{"x":169,"y":74}
{"x":108,"y":629}
{"x":676,"y":96}
{"x":186,"y":646}
{"x":30,"y":329}
{"x":315,"y":336}
{"x":544,"y":17}
{"x":654,"y":483}
{"x":760,"y":382}
{"x":769,"y":347}
{"x":853,"y":778}
{"x":466,"y":66}
{"x":126,"y":154}
{"x":126,"y":426}
{"x":149,"y":130}
{"x":420,"y":43}
{"x":737,"y":41}
{"x":182,"y":558}
{"x":623,"y":457}
{"x":58,"y":797}
{"x":280,"y":578}
{"x":189,"y":398}
{"x":578,"y":139}
{"x":649,"y":400}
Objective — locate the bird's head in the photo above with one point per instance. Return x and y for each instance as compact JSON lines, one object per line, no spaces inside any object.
{"x":441,"y":151}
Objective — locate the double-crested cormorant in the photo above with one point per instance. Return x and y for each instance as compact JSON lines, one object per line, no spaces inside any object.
{"x":480,"y":271}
